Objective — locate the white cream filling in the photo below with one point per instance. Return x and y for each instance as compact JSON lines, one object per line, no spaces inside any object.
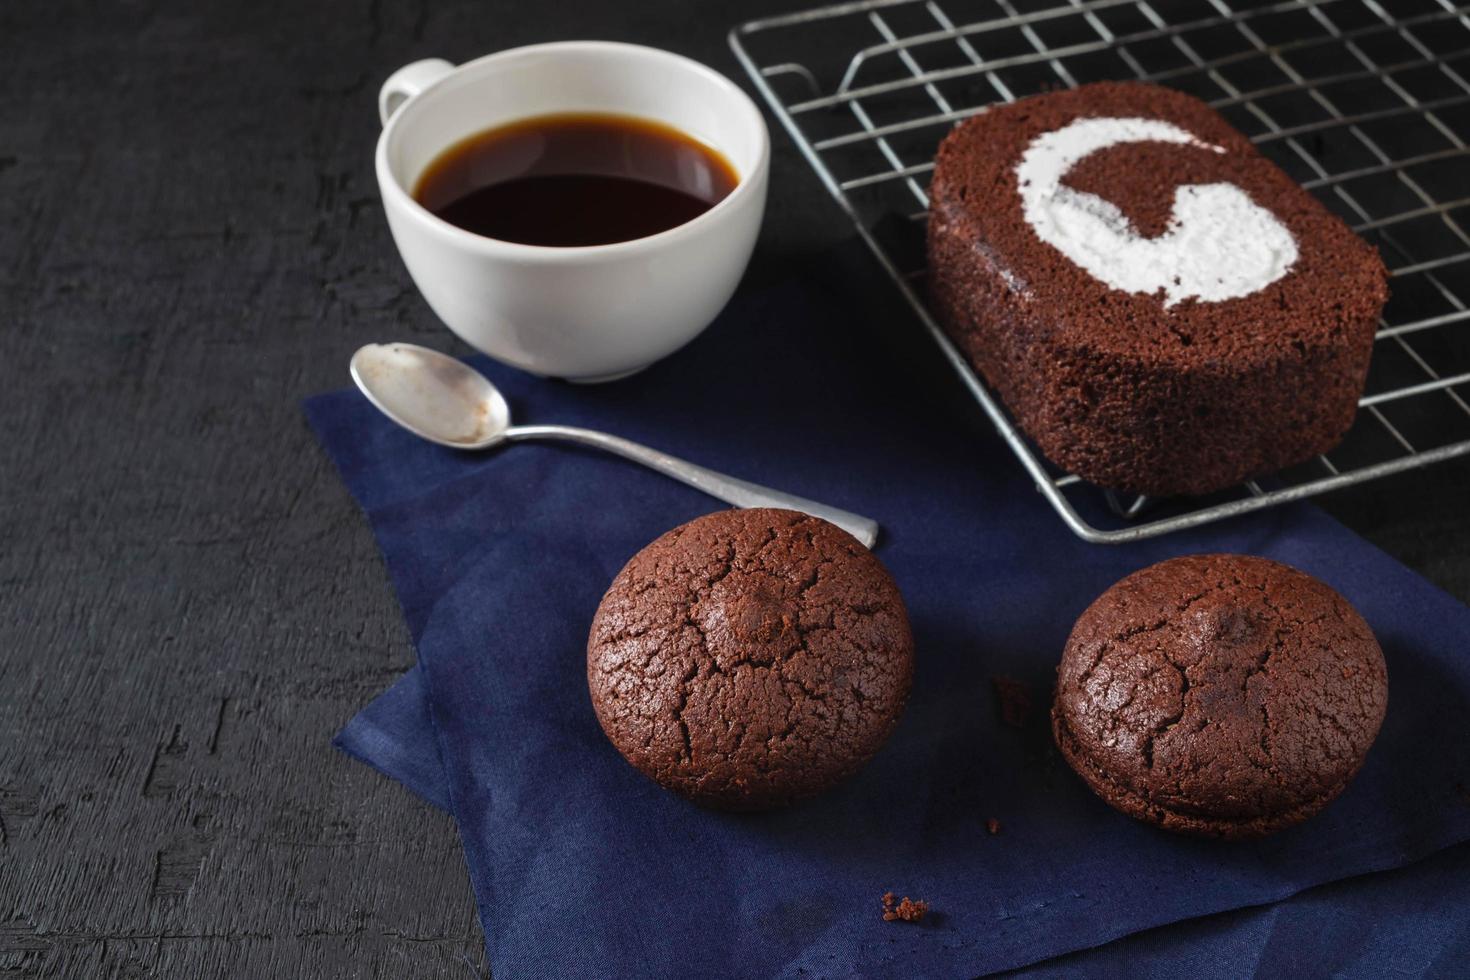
{"x":1219,"y":244}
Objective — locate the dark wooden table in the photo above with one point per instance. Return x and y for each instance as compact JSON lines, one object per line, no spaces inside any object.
{"x":190,"y":242}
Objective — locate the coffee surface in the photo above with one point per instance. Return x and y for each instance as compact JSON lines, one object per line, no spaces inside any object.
{"x":575,"y":179}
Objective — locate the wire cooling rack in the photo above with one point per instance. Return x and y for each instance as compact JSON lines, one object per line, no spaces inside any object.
{"x":1367,"y":107}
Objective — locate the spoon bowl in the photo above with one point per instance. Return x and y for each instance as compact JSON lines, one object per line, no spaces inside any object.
{"x":434,"y":396}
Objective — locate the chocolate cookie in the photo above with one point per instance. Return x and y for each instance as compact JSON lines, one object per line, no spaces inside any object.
{"x":750,"y":658}
{"x":1219,"y":695}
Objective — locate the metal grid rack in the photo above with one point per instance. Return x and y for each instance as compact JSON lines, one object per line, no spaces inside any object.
{"x":1367,"y":108}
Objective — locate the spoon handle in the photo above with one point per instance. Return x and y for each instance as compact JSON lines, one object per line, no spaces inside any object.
{"x":727,"y":488}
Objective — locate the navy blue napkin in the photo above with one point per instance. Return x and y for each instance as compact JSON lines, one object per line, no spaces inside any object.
{"x":583,"y":868}
{"x":1410,"y":922}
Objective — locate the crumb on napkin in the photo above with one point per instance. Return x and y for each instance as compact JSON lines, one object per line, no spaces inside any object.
{"x":1015,"y":701}
{"x":906,"y":910}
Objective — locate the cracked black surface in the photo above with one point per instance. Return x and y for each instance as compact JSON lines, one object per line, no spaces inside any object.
{"x":1222,"y":695}
{"x":750,"y":658}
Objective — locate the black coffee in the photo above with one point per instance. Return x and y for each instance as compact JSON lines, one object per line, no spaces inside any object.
{"x":575,"y":179}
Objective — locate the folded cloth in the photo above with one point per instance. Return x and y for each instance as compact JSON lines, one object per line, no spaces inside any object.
{"x":581,"y":867}
{"x":1409,"y":922}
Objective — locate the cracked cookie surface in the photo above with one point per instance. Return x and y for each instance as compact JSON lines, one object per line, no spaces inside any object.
{"x":750,"y":658}
{"x":1220,"y":695}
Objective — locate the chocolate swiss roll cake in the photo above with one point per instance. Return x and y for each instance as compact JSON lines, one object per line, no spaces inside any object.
{"x":1161,"y":309}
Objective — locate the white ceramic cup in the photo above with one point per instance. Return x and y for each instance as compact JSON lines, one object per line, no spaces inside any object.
{"x":589,"y":313}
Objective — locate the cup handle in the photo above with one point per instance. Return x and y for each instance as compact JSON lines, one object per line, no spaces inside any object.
{"x":407,"y":82}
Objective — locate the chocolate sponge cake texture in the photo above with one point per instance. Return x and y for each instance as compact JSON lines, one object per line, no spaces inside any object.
{"x":1219,"y":695}
{"x":1161,"y":308}
{"x":750,"y":658}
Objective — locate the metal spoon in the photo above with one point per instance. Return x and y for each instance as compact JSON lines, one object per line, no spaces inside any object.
{"x":444,"y":400}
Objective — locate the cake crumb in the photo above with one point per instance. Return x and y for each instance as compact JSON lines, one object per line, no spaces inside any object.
{"x":1015,"y":700}
{"x":992,"y":826}
{"x":906,"y":909}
